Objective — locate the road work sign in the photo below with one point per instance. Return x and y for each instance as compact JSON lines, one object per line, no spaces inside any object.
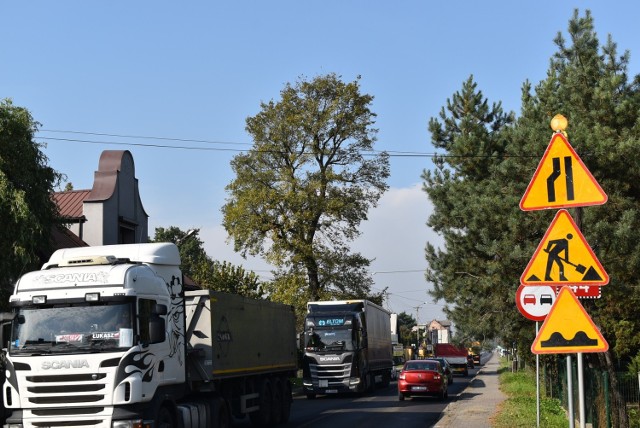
{"x":568,"y":329}
{"x":561,"y":180}
{"x":563,"y":257}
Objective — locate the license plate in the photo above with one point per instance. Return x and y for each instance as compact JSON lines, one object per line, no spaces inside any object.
{"x":331,"y":391}
{"x":323,"y":383}
{"x":418,"y":388}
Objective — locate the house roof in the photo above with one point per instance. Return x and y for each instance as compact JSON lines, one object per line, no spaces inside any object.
{"x":70,"y":203}
{"x":62,"y":237}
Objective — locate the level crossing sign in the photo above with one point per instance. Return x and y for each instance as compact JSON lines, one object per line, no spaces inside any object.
{"x":561,"y":180}
{"x":568,"y":329}
{"x":564,"y":257}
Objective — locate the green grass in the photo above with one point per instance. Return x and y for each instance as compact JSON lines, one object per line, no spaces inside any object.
{"x":519,"y":409}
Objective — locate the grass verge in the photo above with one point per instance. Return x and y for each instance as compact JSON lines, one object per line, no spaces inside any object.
{"x":519,"y":409}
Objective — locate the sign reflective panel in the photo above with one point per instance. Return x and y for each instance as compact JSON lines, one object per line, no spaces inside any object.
{"x":563,"y":257}
{"x":568,"y":329}
{"x":561,"y":180}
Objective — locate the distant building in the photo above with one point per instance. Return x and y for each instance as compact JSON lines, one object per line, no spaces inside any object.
{"x":440,"y":331}
{"x":109,"y":213}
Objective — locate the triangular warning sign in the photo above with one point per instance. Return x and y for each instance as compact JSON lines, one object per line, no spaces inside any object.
{"x":563,"y":257}
{"x":561,"y":180}
{"x":568,"y":329}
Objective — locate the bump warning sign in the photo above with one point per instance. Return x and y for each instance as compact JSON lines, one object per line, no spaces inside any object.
{"x":568,"y":329}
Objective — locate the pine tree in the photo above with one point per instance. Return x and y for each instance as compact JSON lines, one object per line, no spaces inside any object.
{"x":475,"y":191}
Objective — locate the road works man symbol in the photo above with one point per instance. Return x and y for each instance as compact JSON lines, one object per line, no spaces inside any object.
{"x":561,"y":180}
{"x":563,"y":257}
{"x":568,"y":329}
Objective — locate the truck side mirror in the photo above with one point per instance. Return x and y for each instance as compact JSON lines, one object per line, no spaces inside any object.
{"x":159,"y":309}
{"x":157,"y":329}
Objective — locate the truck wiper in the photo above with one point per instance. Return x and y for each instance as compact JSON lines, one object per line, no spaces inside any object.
{"x":36,"y":348}
{"x":336,"y":345}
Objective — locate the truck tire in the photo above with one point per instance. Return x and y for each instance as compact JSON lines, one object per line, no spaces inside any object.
{"x":164,"y":418}
{"x":386,"y":378}
{"x":276,"y":401}
{"x":262,"y":417}
{"x":371,"y":387}
{"x":287,"y":399}
{"x":220,"y":413}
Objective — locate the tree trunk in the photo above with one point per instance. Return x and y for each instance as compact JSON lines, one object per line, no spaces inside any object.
{"x":619,"y":411}
{"x":314,"y":281}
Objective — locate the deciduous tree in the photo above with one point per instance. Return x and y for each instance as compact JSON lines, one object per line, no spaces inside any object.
{"x":300,"y":194}
{"x":27,"y":211}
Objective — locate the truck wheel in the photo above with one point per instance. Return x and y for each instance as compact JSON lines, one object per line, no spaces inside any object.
{"x":262,"y":417}
{"x":372,"y":382}
{"x":287,"y":399}
{"x":164,"y":418}
{"x":276,"y":402}
{"x":386,"y":378}
{"x":221,"y":416}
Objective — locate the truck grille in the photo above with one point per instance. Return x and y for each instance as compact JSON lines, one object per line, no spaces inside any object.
{"x":65,"y":389}
{"x":334,"y":374}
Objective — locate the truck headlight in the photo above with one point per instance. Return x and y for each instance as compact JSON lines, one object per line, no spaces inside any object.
{"x":136,"y":423}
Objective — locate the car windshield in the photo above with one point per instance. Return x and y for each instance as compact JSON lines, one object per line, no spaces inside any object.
{"x":72,"y":329}
{"x":421,"y":366}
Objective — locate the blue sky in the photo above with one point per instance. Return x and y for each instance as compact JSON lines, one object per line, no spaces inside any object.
{"x":196,"y":70}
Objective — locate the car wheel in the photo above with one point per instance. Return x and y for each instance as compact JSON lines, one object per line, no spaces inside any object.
{"x":400,"y":396}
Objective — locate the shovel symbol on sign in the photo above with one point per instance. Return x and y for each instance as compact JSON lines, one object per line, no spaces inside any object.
{"x":560,"y":246}
{"x":579,"y":268}
{"x":554,"y":248}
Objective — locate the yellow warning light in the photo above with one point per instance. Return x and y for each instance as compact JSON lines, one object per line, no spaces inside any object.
{"x":559,"y":123}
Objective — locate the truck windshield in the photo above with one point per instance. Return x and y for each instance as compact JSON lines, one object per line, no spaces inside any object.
{"x":329,"y":339}
{"x":72,"y":329}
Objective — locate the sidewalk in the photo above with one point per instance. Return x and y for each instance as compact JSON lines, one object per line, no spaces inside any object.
{"x":476,"y":405}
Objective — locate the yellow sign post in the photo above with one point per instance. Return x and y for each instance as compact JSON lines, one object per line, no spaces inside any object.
{"x":568,"y":329}
{"x":561,"y":180}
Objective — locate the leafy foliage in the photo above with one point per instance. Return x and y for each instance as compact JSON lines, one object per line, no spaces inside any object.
{"x":27,"y":211}
{"x":487,"y":161}
{"x":206,"y":272}
{"x":405,"y":323}
{"x":301,"y":193}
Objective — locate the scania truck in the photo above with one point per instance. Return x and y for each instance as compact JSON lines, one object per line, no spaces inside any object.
{"x":347,"y":347}
{"x":107,"y":337}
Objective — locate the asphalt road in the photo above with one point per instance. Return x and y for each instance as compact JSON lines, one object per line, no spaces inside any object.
{"x":378,"y":409}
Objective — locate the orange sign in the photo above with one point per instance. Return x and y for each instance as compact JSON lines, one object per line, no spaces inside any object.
{"x":561,"y":180}
{"x":568,"y":329}
{"x":563,"y":257}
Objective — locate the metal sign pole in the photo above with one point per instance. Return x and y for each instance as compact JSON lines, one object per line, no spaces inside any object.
{"x":572,"y":420}
{"x":581,"y":391}
{"x":537,"y":385}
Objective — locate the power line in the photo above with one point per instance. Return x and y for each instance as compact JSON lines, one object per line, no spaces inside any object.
{"x":390,"y":153}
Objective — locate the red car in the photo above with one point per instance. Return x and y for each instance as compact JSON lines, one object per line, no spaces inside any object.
{"x":422,"y":378}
